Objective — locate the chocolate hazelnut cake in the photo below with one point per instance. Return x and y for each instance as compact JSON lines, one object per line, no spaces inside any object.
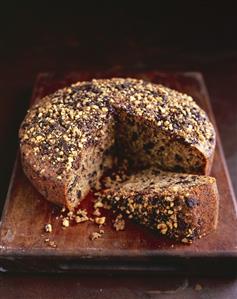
{"x":181,"y":206}
{"x":70,"y":137}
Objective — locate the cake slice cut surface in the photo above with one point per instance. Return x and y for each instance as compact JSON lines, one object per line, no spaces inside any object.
{"x":182,"y":207}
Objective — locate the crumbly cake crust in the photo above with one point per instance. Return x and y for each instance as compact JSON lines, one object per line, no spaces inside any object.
{"x":64,"y":131}
{"x":181,"y":206}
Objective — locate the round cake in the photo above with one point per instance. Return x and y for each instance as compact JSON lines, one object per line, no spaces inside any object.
{"x":72,"y":136}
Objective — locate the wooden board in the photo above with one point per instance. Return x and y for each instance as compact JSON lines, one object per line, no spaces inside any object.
{"x":23,"y":246}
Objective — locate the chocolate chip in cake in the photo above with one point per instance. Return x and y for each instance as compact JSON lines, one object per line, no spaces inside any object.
{"x":178,"y":158}
{"x":138,"y":199}
{"x":134,"y":136}
{"x":148,"y":146}
{"x":153,"y":201}
{"x":191,"y":202}
{"x":79,"y":194}
{"x":73,"y":184}
{"x":178,"y":168}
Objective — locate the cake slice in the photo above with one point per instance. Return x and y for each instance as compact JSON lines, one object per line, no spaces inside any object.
{"x":181,"y":206}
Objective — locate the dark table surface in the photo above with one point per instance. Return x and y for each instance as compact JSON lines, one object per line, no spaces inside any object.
{"x":30,"y":46}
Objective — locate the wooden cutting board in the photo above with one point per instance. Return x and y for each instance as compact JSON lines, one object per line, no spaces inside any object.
{"x":23,"y":246}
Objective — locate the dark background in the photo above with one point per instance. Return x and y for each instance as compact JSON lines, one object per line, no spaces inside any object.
{"x":173,"y":35}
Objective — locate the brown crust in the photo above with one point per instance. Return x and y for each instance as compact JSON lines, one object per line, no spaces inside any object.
{"x":46,"y":183}
{"x":208,"y":210}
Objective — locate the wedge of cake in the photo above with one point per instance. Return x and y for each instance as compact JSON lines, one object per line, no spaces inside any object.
{"x":181,"y":206}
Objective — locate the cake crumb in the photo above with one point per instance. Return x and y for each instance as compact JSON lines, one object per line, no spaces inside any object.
{"x":119,"y":223}
{"x":48,"y":228}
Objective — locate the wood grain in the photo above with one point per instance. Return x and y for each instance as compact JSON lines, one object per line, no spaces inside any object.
{"x":25,"y":213}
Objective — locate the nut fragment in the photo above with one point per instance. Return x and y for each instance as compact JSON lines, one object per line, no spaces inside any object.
{"x":81,"y":212}
{"x":79,"y":219}
{"x":185,"y":240}
{"x":50,"y":243}
{"x":162,"y":227}
{"x":119,"y":223}
{"x":48,"y":228}
{"x":96,"y":212}
{"x":95,"y":236}
{"x":100,"y":220}
{"x":198,"y":287}
{"x":98,"y":204}
{"x":65,"y":222}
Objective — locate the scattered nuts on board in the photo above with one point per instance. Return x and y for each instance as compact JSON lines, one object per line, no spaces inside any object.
{"x":48,"y":228}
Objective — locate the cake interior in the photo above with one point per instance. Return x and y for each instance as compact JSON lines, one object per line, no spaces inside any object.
{"x":141,"y":144}
{"x":145,"y":145}
{"x":91,"y":164}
